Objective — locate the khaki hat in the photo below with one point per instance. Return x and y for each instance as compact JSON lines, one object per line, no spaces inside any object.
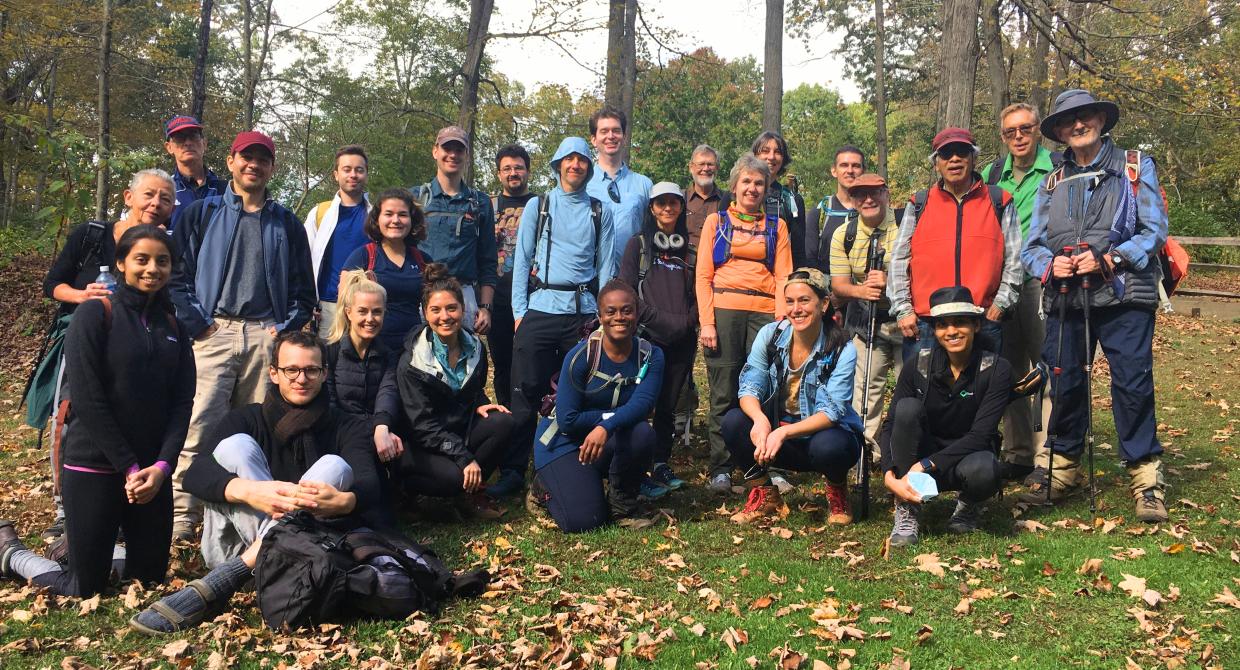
{"x":452,"y":134}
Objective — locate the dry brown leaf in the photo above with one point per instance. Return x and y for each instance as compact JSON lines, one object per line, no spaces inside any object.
{"x":964,"y":606}
{"x":930,"y":563}
{"x":133,"y":596}
{"x":1227,"y":598}
{"x":175,"y":649}
{"x":698,"y":629}
{"x":821,"y":665}
{"x":761,"y":603}
{"x":1151,"y":598}
{"x":779,"y":532}
{"x":924,"y":634}
{"x":1048,"y":570}
{"x":1174,"y":548}
{"x":89,"y":605}
{"x":1030,"y":526}
{"x":1091,"y":566}
{"x":1134,"y":586}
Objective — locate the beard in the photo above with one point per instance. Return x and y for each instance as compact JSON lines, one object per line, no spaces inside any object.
{"x":703,"y":181}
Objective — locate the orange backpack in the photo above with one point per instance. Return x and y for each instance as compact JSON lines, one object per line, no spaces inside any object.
{"x":1173,"y":258}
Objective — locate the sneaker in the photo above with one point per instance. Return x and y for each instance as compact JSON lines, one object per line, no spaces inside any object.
{"x":651,"y":489}
{"x":721,"y":483}
{"x":785,"y":487}
{"x":837,"y":499}
{"x":509,"y":483}
{"x":764,"y":501}
{"x":9,"y":543}
{"x":1150,"y":508}
{"x":904,"y":530}
{"x":663,"y":474}
{"x":1038,"y":474}
{"x":966,"y":518}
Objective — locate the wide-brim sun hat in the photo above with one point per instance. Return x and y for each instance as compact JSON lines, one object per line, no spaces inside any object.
{"x":1072,"y":100}
{"x":954,"y":301}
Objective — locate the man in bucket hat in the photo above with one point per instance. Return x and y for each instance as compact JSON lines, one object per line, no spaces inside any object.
{"x":1098,"y":225}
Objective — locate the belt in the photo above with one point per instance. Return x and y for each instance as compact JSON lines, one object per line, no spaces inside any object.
{"x":745,"y":291}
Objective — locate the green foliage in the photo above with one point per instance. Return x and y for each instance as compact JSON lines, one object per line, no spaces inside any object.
{"x":816,"y":123}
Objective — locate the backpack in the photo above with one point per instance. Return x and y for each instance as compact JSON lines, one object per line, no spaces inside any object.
{"x":594,"y":352}
{"x":544,"y":223}
{"x":1173,"y":259}
{"x":372,"y":252}
{"x":996,"y":167}
{"x":772,"y":357}
{"x":721,"y":248}
{"x":310,"y":571}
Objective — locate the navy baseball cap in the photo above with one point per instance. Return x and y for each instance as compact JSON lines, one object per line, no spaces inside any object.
{"x":178,"y":123}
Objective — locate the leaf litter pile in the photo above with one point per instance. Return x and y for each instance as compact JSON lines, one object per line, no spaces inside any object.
{"x":1035,"y":588}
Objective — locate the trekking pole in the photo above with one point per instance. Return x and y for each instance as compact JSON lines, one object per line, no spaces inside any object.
{"x":1057,"y":371}
{"x":875,"y":262}
{"x":1089,"y":387}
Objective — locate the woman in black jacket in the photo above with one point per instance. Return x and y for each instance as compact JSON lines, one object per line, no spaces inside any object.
{"x":944,"y":418}
{"x":131,"y":376}
{"x":657,"y":263}
{"x":456,"y":437}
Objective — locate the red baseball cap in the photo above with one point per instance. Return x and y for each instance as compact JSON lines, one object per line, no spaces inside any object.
{"x":178,"y":123}
{"x":952,"y":135}
{"x":250,"y":138}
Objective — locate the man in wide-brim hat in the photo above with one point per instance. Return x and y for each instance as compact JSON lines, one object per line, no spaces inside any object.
{"x":1099,"y":219}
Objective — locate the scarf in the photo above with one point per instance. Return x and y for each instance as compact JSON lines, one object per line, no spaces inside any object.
{"x":292,"y":425}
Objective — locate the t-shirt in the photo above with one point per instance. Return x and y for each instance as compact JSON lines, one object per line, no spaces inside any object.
{"x":508,"y":210}
{"x":854,"y":263}
{"x":347,"y":236}
{"x":792,"y":393}
{"x":245,"y":294}
{"x":404,"y":293}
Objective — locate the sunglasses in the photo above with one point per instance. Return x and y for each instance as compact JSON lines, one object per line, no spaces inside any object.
{"x":955,"y":149}
{"x":1083,"y":114}
{"x":1024,"y":129}
{"x":613,"y":191}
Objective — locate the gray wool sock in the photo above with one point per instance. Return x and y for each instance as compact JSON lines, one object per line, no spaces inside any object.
{"x":226,"y":578}
{"x":28,"y":565}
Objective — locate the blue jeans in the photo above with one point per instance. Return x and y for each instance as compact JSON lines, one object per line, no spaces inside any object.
{"x":992,"y":330}
{"x":831,"y":452}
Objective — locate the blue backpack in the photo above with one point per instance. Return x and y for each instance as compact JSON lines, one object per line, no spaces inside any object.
{"x":721,"y":250}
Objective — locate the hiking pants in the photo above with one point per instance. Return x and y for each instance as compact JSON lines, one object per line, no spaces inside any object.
{"x":977,"y":476}
{"x":499,"y":345}
{"x":228,"y":529}
{"x":677,"y":367}
{"x":1126,"y":335}
{"x":431,"y":473}
{"x":737,"y":330}
{"x":887,"y":357}
{"x":831,"y":452}
{"x":578,"y":502}
{"x":1024,"y":331}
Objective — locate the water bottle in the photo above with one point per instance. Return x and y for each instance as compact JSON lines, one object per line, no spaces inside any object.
{"x":105,"y":277}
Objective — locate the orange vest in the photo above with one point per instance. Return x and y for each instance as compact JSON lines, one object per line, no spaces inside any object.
{"x":957,"y":243}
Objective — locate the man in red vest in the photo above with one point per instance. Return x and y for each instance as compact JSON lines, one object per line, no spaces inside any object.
{"x":959,"y":232}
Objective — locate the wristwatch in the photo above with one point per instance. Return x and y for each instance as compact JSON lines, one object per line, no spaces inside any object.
{"x":927,"y":465}
{"x":485,"y":305}
{"x":1116,"y":259}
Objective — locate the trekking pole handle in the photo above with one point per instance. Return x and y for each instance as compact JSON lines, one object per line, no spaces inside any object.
{"x":1084,"y":246}
{"x":1063,"y":283}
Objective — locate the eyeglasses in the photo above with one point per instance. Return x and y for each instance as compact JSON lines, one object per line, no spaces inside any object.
{"x":1024,"y":129}
{"x":705,"y":165}
{"x":1069,"y":118}
{"x":862,"y":194}
{"x":955,"y":149}
{"x":613,"y":191}
{"x":312,"y":372}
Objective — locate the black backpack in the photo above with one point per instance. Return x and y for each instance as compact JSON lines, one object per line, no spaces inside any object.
{"x":310,"y":571}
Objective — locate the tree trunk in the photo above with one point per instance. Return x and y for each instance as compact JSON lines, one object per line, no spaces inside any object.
{"x":49,"y":99}
{"x":105,"y":117}
{"x":1000,"y":94}
{"x":880,"y":89}
{"x":476,"y":39}
{"x":247,"y":39}
{"x":957,"y":63}
{"x":628,"y":71}
{"x":198,"y":98}
{"x":615,"y":52}
{"x":773,"y":68}
{"x":1039,"y":87}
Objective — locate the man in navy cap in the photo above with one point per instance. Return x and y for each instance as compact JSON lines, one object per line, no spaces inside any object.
{"x":186,"y":143}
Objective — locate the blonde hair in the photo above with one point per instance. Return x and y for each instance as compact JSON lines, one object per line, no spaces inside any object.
{"x":351,"y":283}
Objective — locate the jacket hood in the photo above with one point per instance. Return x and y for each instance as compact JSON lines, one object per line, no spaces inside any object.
{"x":422,"y":353}
{"x":572,"y":145}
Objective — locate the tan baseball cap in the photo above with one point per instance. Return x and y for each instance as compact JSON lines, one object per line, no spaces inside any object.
{"x":452,"y":134}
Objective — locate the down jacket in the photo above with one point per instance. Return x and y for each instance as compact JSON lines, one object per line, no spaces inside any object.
{"x":438,"y":419}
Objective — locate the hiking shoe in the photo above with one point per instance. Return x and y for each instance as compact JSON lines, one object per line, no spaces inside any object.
{"x":764,"y":501}
{"x":59,"y":551}
{"x":966,"y":518}
{"x":55,"y":530}
{"x":1015,"y":471}
{"x":184,"y":530}
{"x":1036,"y":495}
{"x":1037,"y":475}
{"x":537,"y":498}
{"x":663,"y":474}
{"x":9,"y":543}
{"x":904,"y":530}
{"x":478,"y":506}
{"x":1150,"y":508}
{"x":509,"y":483}
{"x":837,"y":499}
{"x":721,"y":483}
{"x":780,"y":482}
{"x":650,"y":489}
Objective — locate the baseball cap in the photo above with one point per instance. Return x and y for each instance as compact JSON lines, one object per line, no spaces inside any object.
{"x":250,"y":138}
{"x":951,"y":135}
{"x":869,"y":180}
{"x":452,"y":134}
{"x":178,"y":123}
{"x":666,"y":188}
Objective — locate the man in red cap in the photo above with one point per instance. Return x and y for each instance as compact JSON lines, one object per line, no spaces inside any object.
{"x":186,"y":143}
{"x":244,"y":275}
{"x":959,"y":232}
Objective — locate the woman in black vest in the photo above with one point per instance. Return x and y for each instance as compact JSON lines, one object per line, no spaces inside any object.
{"x":131,"y":376}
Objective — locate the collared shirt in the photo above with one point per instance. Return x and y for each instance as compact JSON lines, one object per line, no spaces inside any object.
{"x":698,"y":208}
{"x":1026,"y":191}
{"x":853,"y":263}
{"x":453,"y":375}
{"x":633,"y":192}
{"x":460,"y":232}
{"x":187,"y":192}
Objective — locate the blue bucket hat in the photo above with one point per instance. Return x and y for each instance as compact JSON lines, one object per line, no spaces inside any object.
{"x":1072,"y":100}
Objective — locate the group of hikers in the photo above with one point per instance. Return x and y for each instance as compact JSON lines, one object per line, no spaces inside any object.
{"x":227,"y":365}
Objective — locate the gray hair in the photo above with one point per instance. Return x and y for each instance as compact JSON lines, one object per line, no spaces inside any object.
{"x":748,"y":163}
{"x":150,"y":172}
{"x":704,"y":149}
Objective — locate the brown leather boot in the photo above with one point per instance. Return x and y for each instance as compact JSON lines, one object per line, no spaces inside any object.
{"x":837,"y":498}
{"x":764,"y":501}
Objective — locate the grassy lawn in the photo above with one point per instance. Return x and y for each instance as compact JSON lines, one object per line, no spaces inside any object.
{"x":701,"y":592}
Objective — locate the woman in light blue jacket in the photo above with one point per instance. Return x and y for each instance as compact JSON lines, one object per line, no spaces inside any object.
{"x":796,"y":408}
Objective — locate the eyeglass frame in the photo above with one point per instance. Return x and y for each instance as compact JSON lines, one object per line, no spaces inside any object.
{"x":297,"y":372}
{"x":1021,"y":130}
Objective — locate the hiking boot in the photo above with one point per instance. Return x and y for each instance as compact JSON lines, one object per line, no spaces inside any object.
{"x":721,"y":483}
{"x":1150,"y":508}
{"x":9,"y":543}
{"x":837,"y":499}
{"x":1015,"y":471}
{"x":650,"y":489}
{"x":509,"y":483}
{"x":966,"y":518}
{"x":478,"y":506}
{"x":184,"y":530}
{"x":1037,"y":475}
{"x":904,"y":529}
{"x":1065,"y":485}
{"x":537,"y":498}
{"x":55,"y":530}
{"x":663,"y":474}
{"x":764,"y":501}
{"x":785,"y":487}
{"x":59,"y":551}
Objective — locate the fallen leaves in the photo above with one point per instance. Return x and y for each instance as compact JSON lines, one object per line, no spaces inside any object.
{"x":1091,"y":566}
{"x":930,"y":563}
{"x":1227,"y":598}
{"x":734,"y":638}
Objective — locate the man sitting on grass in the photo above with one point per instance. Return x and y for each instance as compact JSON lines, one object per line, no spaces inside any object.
{"x":262,"y":461}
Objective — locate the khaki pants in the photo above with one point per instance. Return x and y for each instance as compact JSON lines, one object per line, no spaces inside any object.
{"x":885,"y":358}
{"x":1023,"y":335}
{"x":327,"y":315}
{"x":232,"y":372}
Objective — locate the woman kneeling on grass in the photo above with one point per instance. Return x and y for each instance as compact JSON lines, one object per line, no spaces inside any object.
{"x":800,"y":371}
{"x":131,"y":377}
{"x":944,"y":418}
{"x":456,"y":436}
{"x":608,"y":386}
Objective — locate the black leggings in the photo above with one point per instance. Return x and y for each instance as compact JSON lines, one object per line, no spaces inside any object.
{"x":831,"y":452}
{"x":95,"y":507}
{"x":977,"y":476}
{"x":578,"y":502}
{"x":677,"y":366}
{"x":433,"y":474}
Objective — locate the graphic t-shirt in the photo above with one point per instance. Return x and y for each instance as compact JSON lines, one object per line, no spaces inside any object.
{"x":507,"y":217}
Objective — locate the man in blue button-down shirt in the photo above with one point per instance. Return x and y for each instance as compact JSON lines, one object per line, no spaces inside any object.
{"x":1100,"y":216}
{"x":621,"y":190}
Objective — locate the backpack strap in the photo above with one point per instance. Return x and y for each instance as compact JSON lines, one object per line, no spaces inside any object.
{"x":996,"y":171}
{"x":996,"y":201}
{"x":596,"y":215}
{"x":772,"y":358}
{"x":1053,"y":179}
{"x":319,"y":211}
{"x":1132,"y":168}
{"x":771,"y":233}
{"x":923,"y":369}
{"x":918,"y":201}
{"x":372,"y":251}
{"x":643,"y":264}
{"x":91,"y":243}
{"x":850,"y":233}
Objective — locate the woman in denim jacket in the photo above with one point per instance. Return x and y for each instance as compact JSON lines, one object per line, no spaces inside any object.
{"x":796,"y":402}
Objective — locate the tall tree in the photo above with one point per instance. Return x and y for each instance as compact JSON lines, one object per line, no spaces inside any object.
{"x":773,"y":67}
{"x":621,"y":74}
{"x":198,"y":96}
{"x":880,"y":89}
{"x":105,"y":115}
{"x":992,"y":29}
{"x":471,"y":70}
{"x":957,"y":63}
{"x":254,"y":66}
